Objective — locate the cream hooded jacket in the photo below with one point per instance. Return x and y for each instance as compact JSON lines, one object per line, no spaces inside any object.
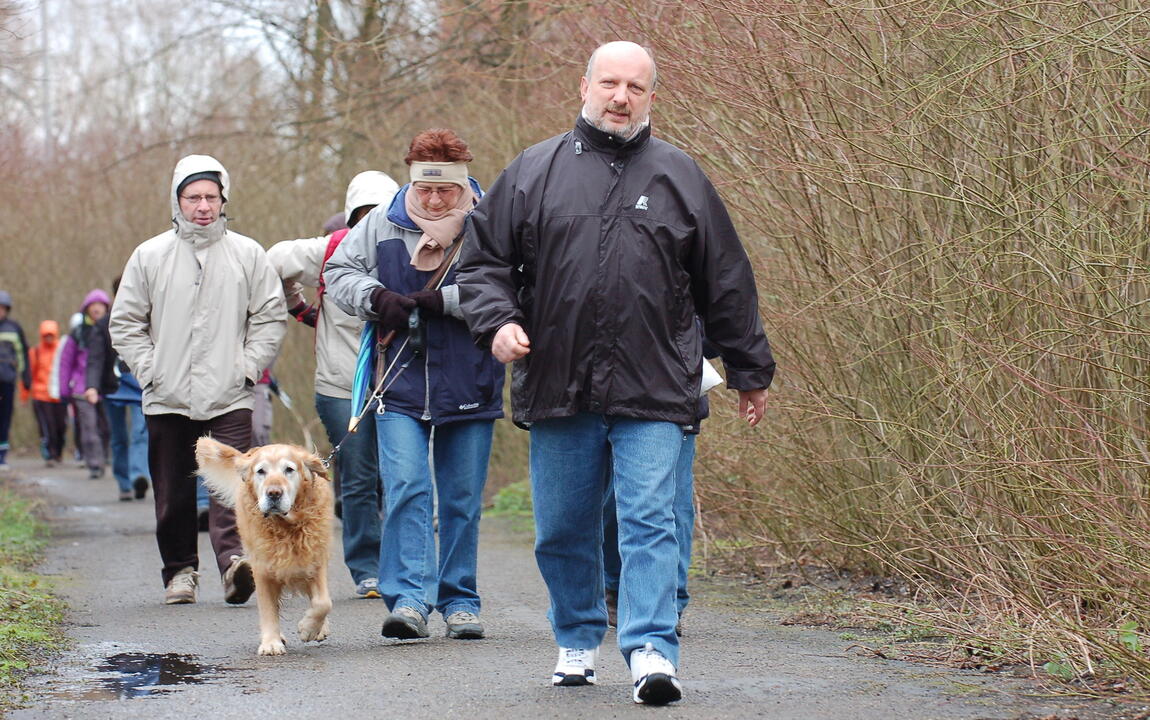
{"x":199,"y":314}
{"x":299,"y":263}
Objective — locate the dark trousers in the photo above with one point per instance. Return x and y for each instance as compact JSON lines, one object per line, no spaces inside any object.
{"x":7,"y":396}
{"x":172,"y":461}
{"x":94,"y":434}
{"x":52,"y":417}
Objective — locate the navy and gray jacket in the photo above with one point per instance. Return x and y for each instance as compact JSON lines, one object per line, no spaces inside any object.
{"x":452,"y":380}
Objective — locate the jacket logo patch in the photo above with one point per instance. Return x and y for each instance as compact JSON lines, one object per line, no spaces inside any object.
{"x":468,"y":406}
{"x":642,"y":204}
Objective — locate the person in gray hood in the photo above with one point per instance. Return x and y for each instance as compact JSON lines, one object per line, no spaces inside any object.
{"x":199,"y":315}
{"x":300,"y":265}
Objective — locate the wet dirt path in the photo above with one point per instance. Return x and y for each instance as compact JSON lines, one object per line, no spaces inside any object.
{"x":134,"y":657}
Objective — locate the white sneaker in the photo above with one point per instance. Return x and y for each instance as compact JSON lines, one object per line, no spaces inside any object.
{"x":655,"y":680}
{"x":576,"y":666}
{"x":181,"y":588}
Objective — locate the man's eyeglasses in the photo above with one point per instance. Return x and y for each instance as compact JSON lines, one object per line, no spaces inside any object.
{"x":197,"y":199}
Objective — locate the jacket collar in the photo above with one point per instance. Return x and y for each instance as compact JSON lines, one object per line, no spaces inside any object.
{"x":608,"y":143}
{"x":200,"y":236}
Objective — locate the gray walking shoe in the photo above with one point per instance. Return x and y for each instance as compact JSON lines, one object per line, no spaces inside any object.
{"x":405,"y":623}
{"x":464,"y":625}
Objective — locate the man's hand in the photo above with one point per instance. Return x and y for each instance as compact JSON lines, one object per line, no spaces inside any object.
{"x":510,"y":343}
{"x":92,"y":396}
{"x":752,"y":405}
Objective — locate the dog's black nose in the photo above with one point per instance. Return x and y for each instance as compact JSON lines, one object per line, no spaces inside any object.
{"x":275,"y":493}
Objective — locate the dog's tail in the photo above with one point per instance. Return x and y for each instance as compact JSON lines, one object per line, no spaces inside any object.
{"x":219,"y":467}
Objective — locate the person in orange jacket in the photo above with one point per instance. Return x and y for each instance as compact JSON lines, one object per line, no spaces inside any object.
{"x":51,"y":414}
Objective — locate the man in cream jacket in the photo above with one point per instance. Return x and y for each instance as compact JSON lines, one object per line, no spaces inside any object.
{"x":199,"y":315}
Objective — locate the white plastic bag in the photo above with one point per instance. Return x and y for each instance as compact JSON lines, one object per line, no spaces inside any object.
{"x":711,"y":377}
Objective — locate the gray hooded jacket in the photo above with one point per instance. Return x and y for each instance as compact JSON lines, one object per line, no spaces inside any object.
{"x":200,"y":312}
{"x":299,"y":264}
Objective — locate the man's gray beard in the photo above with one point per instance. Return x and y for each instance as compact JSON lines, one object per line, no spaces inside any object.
{"x":626,"y":133}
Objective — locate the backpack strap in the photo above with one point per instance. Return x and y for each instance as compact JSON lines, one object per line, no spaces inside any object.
{"x":332,"y":243}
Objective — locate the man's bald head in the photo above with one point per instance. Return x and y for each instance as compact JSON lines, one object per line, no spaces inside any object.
{"x":618,"y":89}
{"x":622,"y":46}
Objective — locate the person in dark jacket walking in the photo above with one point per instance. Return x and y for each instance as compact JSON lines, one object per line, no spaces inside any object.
{"x":13,"y":366}
{"x":586,"y":265}
{"x":441,"y":394}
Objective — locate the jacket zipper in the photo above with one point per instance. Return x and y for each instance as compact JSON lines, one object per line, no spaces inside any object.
{"x":604,"y":350}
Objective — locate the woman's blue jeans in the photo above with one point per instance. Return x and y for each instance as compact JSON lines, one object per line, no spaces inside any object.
{"x":408,"y":575}
{"x":569,"y":458}
{"x":360,"y":490}
{"x":129,"y":441}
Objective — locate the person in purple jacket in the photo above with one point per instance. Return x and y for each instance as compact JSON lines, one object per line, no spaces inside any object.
{"x":94,"y":433}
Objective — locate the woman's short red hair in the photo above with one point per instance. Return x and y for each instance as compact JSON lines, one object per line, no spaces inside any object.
{"x":438,"y":145}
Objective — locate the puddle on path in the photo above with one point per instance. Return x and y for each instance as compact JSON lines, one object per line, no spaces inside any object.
{"x":134,"y":675}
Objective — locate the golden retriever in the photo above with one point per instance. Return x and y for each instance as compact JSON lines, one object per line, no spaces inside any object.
{"x":283,"y":502}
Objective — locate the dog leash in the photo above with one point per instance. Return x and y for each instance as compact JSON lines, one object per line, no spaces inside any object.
{"x":374,"y":399}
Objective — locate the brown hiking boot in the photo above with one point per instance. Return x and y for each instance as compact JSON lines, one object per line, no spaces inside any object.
{"x":239,"y":583}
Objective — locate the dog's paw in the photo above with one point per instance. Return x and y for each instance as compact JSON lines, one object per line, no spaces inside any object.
{"x":273,"y":647}
{"x":312,"y":631}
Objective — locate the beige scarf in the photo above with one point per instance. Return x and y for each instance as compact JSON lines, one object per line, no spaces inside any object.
{"x":439,"y":231}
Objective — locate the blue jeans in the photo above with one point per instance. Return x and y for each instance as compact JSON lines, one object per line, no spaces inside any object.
{"x":129,"y":435}
{"x":203,"y":497}
{"x":407,"y":570}
{"x":684,"y":510}
{"x":569,"y":458}
{"x":359,"y":488}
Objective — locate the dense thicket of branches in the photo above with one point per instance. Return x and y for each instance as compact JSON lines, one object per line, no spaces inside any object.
{"x":946,"y":204}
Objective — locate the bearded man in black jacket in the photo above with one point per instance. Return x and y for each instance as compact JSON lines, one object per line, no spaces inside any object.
{"x":585,"y":265}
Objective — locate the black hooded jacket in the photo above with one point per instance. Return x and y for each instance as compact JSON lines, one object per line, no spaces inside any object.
{"x":605,"y":251}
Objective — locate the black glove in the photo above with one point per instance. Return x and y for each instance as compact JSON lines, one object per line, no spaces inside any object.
{"x":430,"y":301}
{"x":392,"y":308}
{"x":306,"y":314}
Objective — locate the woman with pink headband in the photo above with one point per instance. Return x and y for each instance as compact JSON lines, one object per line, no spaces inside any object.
{"x":440,"y":395}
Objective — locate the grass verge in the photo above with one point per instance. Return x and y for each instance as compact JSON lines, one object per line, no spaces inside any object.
{"x":513,"y":502}
{"x":30,"y":615}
